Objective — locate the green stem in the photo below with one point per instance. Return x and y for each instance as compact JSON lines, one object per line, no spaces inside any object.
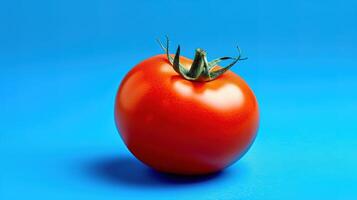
{"x":198,"y":64}
{"x":201,"y":70}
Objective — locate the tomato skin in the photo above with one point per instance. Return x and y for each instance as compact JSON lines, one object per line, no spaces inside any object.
{"x":185,"y":127}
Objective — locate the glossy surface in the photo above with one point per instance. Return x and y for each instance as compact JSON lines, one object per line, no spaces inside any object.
{"x":185,"y":127}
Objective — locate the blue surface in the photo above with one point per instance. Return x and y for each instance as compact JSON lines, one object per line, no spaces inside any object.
{"x":62,"y":61}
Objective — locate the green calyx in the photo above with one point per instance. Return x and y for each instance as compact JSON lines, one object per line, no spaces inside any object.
{"x":201,"y":70}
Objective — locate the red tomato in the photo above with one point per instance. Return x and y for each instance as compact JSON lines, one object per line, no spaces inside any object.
{"x":181,"y":126}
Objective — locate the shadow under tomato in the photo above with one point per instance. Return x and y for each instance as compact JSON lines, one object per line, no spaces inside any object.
{"x":129,"y":171}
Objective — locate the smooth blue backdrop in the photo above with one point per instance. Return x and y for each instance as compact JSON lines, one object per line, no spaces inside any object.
{"x":62,"y":61}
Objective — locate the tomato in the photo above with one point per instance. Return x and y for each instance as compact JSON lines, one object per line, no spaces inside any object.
{"x":182,"y":126}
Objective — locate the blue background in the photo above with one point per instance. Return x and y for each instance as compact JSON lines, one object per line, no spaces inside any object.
{"x":62,"y":61}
